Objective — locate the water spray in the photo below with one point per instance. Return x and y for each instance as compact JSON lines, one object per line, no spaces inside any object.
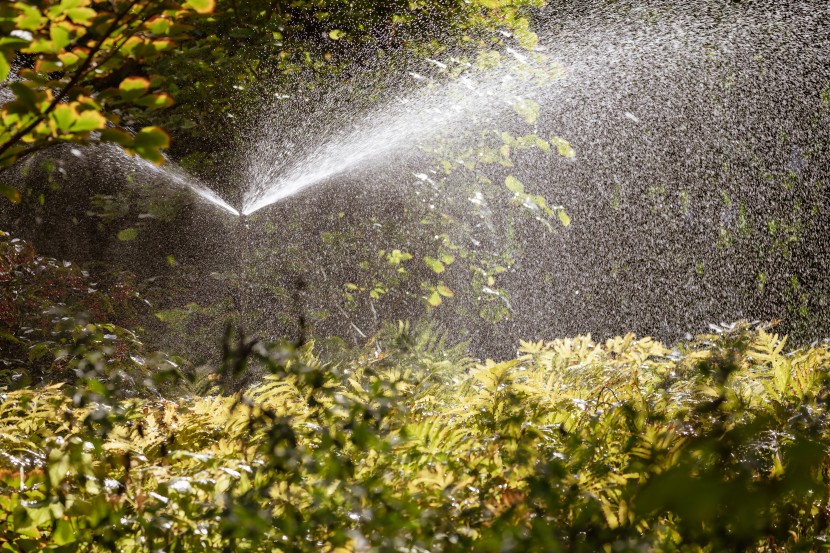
{"x":240,"y":297}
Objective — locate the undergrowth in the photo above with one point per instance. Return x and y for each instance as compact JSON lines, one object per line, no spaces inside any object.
{"x":717,"y":444}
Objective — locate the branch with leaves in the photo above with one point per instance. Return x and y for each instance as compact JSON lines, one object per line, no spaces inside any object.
{"x":74,"y":70}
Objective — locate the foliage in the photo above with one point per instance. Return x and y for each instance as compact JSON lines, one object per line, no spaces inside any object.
{"x":80,"y":65}
{"x":718,"y":444}
{"x":59,"y":324}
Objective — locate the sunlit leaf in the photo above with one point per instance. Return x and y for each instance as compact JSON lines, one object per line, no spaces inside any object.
{"x":80,"y":15}
{"x":89,"y":121}
{"x":434,"y":264}
{"x":434,"y":299}
{"x":202,"y":6}
{"x":133,"y":87}
{"x":444,"y":290}
{"x":562,"y":146}
{"x":528,"y":109}
{"x":514,"y":185}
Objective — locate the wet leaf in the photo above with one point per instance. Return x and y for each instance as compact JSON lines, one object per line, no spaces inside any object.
{"x":434,"y":299}
{"x":444,"y":290}
{"x":434,"y":264}
{"x":528,"y":109}
{"x":514,"y":185}
{"x":563,"y":146}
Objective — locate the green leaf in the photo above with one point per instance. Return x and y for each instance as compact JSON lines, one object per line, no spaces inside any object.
{"x":149,"y":141}
{"x":5,"y":67}
{"x":64,"y":533}
{"x":562,"y":146}
{"x":159,"y":26}
{"x":29,"y":18}
{"x":527,"y":39}
{"x":128,"y":234}
{"x":61,"y":37}
{"x":528,"y":109}
{"x":133,"y":87}
{"x":434,"y":264}
{"x":64,"y":116}
{"x":152,"y":137}
{"x":118,"y":136}
{"x":514,"y":185}
{"x":444,"y":290}
{"x":10,"y":193}
{"x":434,"y":299}
{"x":396,"y":257}
{"x":336,"y":34}
{"x":201,"y":6}
{"x":80,"y":16}
{"x":58,"y":467}
{"x":564,"y":218}
{"x":156,"y":101}
{"x":89,"y":120}
{"x":48,"y":66}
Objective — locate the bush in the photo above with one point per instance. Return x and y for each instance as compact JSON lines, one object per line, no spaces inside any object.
{"x":717,"y":444}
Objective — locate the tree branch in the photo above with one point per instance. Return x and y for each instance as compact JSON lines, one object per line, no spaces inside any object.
{"x":85,"y":66}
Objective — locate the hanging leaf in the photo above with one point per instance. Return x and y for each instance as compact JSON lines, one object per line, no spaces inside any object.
{"x":89,"y":121}
{"x":133,"y":87}
{"x":148,"y":143}
{"x":118,"y":136}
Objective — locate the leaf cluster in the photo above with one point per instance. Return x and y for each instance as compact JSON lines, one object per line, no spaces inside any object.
{"x":717,"y":444}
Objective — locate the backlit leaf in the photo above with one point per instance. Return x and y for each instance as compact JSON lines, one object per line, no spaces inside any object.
{"x":152,"y":137}
{"x":133,"y":87}
{"x":202,"y":6}
{"x":89,"y":121}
